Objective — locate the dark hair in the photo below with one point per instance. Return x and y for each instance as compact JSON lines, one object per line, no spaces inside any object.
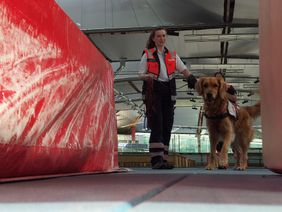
{"x":150,"y":43}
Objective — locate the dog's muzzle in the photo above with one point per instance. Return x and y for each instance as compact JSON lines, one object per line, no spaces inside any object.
{"x":209,"y":97}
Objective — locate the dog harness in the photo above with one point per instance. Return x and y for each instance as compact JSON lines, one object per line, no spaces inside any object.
{"x":228,"y":109}
{"x":218,"y":116}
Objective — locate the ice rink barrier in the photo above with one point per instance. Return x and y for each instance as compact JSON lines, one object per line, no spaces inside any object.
{"x":57,"y":112}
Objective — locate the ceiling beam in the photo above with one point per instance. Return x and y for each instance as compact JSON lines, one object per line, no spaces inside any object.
{"x":134,"y":86}
{"x":253,"y":23}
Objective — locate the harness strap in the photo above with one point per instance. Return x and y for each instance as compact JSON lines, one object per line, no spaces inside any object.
{"x":219,"y":116}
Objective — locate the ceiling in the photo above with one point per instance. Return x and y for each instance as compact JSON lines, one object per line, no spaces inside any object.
{"x":208,"y":35}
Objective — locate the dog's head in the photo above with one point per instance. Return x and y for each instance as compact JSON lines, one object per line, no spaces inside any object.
{"x":211,"y":88}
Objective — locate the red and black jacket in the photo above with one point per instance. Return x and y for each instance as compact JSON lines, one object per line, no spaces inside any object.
{"x":153,"y":62}
{"x":153,"y":68}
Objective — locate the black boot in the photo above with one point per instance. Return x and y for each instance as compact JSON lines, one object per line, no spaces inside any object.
{"x":158,"y":163}
{"x":168,"y":166}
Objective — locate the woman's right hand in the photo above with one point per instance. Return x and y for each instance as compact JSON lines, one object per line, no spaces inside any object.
{"x":191,"y":79}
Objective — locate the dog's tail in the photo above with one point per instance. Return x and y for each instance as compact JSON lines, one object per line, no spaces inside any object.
{"x":254,"y":111}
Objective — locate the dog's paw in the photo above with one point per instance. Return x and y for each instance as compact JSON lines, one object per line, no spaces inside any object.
{"x":210,"y":167}
{"x":240,"y":168}
{"x":223,"y":163}
{"x":222,"y":167}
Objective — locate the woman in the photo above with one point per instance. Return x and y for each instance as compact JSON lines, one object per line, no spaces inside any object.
{"x":157,"y":68}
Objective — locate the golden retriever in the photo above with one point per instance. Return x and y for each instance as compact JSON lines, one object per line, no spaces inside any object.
{"x":235,"y":131}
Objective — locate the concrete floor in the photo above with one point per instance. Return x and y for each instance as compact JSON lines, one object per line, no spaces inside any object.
{"x":144,"y":189}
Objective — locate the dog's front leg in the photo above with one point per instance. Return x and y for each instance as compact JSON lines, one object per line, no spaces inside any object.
{"x":213,"y":159}
{"x":223,"y":156}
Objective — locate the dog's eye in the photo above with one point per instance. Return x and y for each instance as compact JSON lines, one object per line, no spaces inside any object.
{"x":206,"y":85}
{"x":215,"y":85}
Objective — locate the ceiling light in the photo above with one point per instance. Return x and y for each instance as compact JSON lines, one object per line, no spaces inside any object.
{"x":223,"y":66}
{"x":250,"y":85}
{"x":194,"y":107}
{"x":190,"y":93}
{"x":245,"y":101}
{"x":220,"y":37}
{"x":192,"y":100}
{"x":234,"y":71}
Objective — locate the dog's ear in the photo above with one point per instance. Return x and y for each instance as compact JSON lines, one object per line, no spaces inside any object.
{"x":222,"y":88}
{"x":199,"y":86}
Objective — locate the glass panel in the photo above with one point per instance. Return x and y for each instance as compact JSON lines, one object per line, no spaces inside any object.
{"x":179,"y":143}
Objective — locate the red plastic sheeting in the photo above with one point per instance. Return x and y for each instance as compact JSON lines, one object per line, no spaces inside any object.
{"x":271,"y":78}
{"x":56,"y":95}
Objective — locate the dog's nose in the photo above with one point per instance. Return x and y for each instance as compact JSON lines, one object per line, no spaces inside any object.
{"x":209,"y":95}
